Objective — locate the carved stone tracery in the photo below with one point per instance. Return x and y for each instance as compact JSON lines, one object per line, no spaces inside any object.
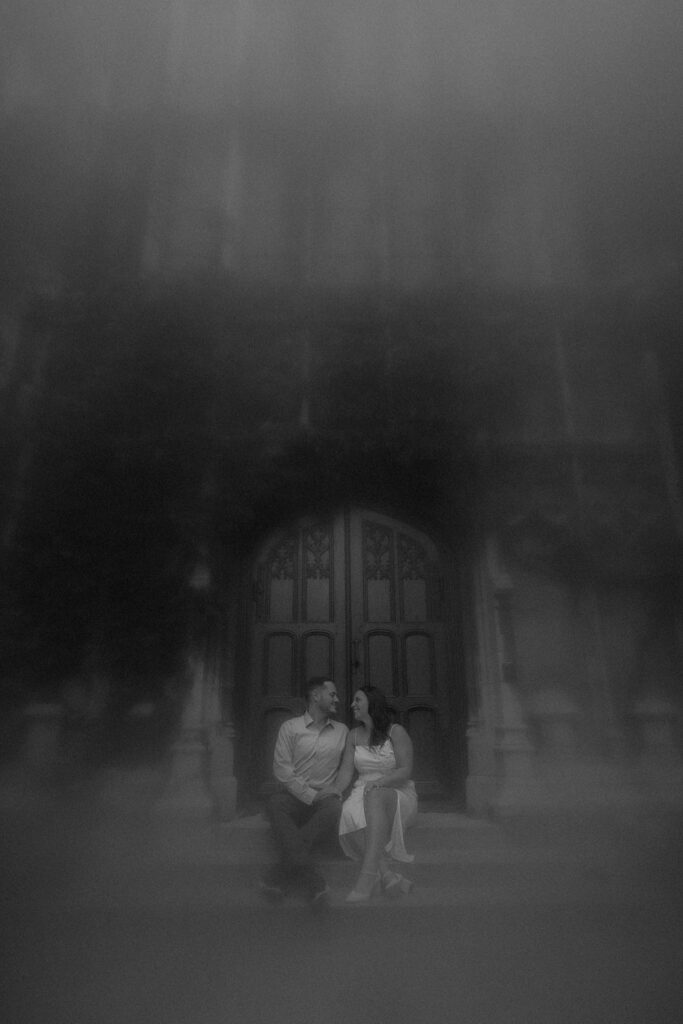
{"x":282,"y":559}
{"x":412,"y":559}
{"x":317,"y":553}
{"x":378,"y":552}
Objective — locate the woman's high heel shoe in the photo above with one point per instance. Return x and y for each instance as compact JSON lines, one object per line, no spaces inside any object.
{"x":364,"y":897}
{"x":393,"y":884}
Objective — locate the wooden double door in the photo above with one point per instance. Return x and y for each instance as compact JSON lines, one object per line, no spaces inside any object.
{"x":358,"y":597}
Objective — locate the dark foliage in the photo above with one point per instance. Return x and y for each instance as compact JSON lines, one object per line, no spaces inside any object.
{"x":169,"y":421}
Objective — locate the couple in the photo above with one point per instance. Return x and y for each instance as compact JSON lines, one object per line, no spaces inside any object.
{"x":315,"y":761}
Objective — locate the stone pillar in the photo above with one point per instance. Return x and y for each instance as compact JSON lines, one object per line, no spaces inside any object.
{"x":222,"y":779}
{"x":514,"y":757}
{"x":479,"y":787}
{"x":567,"y":780}
{"x":202,"y":783}
{"x":187,"y":793}
{"x":503,"y":754}
{"x":481,"y":775}
{"x":218,"y":709}
{"x":514,"y":752}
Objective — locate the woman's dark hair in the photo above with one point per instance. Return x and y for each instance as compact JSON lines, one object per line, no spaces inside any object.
{"x":380,"y":715}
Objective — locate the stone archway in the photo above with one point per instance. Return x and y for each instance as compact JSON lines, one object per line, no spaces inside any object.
{"x":360,"y":596}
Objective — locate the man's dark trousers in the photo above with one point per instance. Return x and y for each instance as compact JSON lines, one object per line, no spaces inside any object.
{"x":296,"y":828}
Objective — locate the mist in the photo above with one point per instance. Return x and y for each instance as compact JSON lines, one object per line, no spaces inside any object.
{"x":531,"y":144}
{"x":259,"y":258}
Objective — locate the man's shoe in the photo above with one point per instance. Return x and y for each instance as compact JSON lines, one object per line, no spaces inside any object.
{"x":320,"y":898}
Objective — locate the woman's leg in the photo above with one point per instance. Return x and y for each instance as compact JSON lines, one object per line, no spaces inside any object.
{"x":380,"y":808}
{"x":354,"y":844}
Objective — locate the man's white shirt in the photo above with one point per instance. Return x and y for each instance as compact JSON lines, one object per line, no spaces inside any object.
{"x":306,"y":757}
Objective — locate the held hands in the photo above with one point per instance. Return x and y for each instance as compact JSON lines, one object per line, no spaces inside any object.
{"x":326,"y":793}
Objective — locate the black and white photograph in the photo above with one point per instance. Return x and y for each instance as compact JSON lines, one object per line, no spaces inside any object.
{"x":341,"y":511}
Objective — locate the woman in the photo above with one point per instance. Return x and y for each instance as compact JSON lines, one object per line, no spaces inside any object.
{"x":383,"y":801}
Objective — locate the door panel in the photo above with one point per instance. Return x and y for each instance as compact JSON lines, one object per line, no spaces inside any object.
{"x":298,"y":629}
{"x":280,"y":663}
{"x":396,"y":612}
{"x":423,"y":726}
{"x":359,"y":598}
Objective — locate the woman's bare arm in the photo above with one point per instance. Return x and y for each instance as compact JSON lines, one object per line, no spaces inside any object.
{"x":344,"y":776}
{"x":403,"y":752}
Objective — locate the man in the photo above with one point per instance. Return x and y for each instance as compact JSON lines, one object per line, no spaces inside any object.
{"x":307,"y":805}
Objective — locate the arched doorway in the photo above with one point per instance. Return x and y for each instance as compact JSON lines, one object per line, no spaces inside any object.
{"x":361,"y":597}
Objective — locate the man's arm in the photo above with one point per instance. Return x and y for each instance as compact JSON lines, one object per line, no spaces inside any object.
{"x":283,"y":766}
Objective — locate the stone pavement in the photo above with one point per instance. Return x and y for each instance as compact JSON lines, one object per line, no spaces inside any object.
{"x":111,"y":917}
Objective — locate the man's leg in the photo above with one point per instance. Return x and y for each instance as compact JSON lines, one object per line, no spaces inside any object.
{"x":296,"y":828}
{"x":323,"y":819}
{"x":286,"y":814}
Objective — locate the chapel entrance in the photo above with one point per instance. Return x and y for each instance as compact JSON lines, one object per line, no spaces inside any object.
{"x":360,"y":597}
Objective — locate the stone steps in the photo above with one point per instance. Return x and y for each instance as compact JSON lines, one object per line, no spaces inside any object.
{"x":445,"y":884}
{"x":458,"y":860}
{"x":433,"y":839}
{"x":110,"y":848}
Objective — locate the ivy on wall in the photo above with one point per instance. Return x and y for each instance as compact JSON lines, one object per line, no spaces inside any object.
{"x":171,"y":419}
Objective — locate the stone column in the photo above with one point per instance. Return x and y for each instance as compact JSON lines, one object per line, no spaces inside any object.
{"x":517,"y":787}
{"x":221,"y":771}
{"x":516,"y":783}
{"x":218,"y":711}
{"x":501,"y":746}
{"x":202,"y":783}
{"x":187,"y":794}
{"x":480,"y":786}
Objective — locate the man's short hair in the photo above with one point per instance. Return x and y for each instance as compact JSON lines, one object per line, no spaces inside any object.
{"x":315,"y":683}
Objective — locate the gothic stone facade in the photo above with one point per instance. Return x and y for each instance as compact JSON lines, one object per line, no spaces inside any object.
{"x":428,"y":442}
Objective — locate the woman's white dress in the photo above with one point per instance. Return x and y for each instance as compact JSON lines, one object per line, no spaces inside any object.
{"x":371,"y":764}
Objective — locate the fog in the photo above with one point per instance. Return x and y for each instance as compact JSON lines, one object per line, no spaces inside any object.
{"x":373,"y":149}
{"x":526,"y":143}
{"x":578,"y":923}
{"x":166,"y":167}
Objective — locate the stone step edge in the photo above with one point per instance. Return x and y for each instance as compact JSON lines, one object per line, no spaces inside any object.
{"x":242,"y":889}
{"x":455,"y":858}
